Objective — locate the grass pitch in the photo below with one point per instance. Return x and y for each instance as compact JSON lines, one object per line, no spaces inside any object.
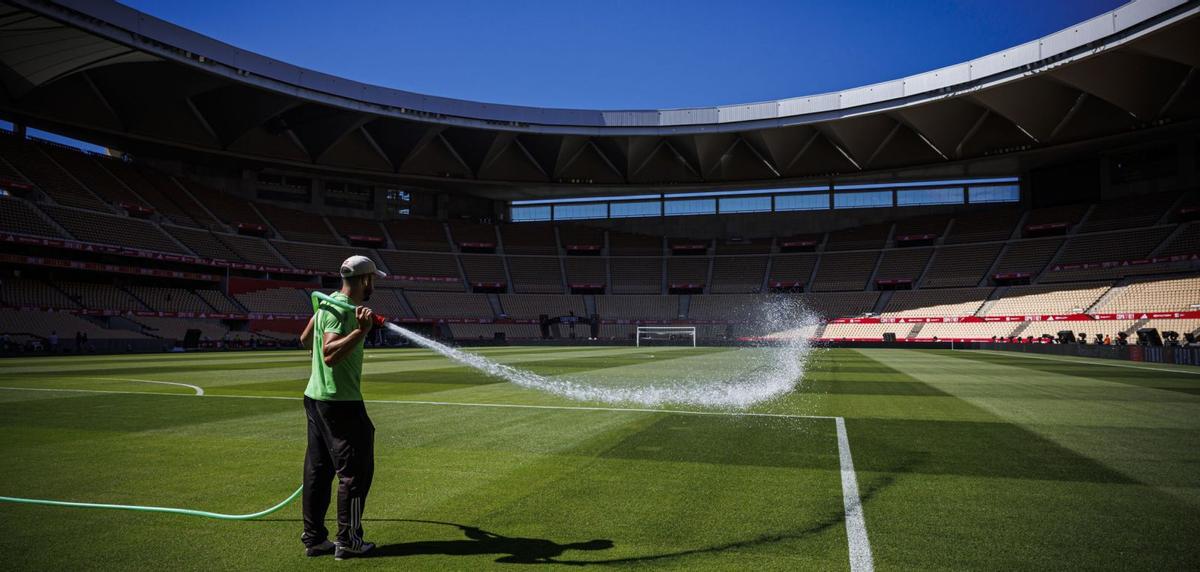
{"x":965,"y":460}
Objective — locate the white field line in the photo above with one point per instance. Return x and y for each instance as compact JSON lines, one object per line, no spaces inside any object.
{"x":1093,"y":361}
{"x":856,"y":528}
{"x":195,"y":388}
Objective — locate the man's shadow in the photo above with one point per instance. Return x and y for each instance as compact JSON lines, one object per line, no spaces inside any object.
{"x":512,"y":550}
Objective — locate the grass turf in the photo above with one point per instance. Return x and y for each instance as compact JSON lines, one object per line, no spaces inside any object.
{"x":965,"y":460}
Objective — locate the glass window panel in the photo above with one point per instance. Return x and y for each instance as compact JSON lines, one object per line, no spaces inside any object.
{"x":995,"y":194}
{"x":575,"y":212}
{"x":871,"y":199}
{"x":690,"y":207}
{"x":635,"y":209}
{"x":525,"y":214}
{"x":745,"y":204}
{"x":802,"y":202}
{"x":946,"y":196}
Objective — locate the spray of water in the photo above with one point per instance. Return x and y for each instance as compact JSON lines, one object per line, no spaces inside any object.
{"x":749,"y":376}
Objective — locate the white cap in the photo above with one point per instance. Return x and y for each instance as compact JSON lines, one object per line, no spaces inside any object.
{"x":359,"y":265}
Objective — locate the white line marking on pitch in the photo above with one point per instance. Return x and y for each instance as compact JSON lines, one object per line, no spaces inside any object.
{"x":1077,"y":361}
{"x":197,"y":389}
{"x":856,"y":527}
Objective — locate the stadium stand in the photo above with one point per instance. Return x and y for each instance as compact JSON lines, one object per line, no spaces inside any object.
{"x":20,"y":217}
{"x":387,"y":301}
{"x":447,"y":305}
{"x":229,"y":208}
{"x":42,"y":324}
{"x":483,"y":268}
{"x":530,"y":306}
{"x":276,"y":300}
{"x":844,"y":271}
{"x":35,"y":293}
{"x":975,"y":330}
{"x":100,"y":296}
{"x":487,"y":331}
{"x":872,"y":331}
{"x":935,"y":225}
{"x":298,"y":225}
{"x":88,"y":172}
{"x":1132,"y":212}
{"x":1109,"y":246}
{"x":903,"y":263}
{"x":111,"y":229}
{"x":1028,"y":256}
{"x":735,"y":274}
{"x":347,"y":227}
{"x":323,"y":257}
{"x":251,"y":249}
{"x":792,"y":268}
{"x":687,"y":269}
{"x":204,"y":243}
{"x":1048,"y":299}
{"x":163,"y":199}
{"x":532,"y":238}
{"x":580,"y":235}
{"x":536,"y":274}
{"x":756,"y":246}
{"x":219,"y":301}
{"x":1154,"y":295}
{"x":469,"y":232}
{"x":960,"y":265}
{"x":422,"y":264}
{"x":417,"y":234}
{"x":177,"y":328}
{"x":1069,"y":214}
{"x":39,"y":169}
{"x":586,"y":270}
{"x":638,"y":307}
{"x":841,"y":303}
{"x":1187,"y":241}
{"x":626,"y":244}
{"x":859,"y":237}
{"x":168,"y":299}
{"x":983,"y":226}
{"x":948,"y":302}
{"x":636,"y":275}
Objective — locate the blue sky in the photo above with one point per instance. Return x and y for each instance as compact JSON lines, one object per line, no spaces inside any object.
{"x":623,"y":53}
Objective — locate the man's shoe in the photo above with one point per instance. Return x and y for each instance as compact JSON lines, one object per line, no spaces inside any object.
{"x":321,"y":549}
{"x":344,"y":552}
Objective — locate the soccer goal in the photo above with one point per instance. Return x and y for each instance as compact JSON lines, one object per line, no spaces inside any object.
{"x":666,"y":335}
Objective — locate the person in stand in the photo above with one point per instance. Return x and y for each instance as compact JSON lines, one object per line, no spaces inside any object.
{"x":341,"y":437}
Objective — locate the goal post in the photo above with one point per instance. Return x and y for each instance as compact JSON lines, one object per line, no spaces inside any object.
{"x":666,"y":334}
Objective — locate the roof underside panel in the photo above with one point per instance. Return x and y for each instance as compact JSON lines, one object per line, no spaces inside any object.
{"x":90,"y":69}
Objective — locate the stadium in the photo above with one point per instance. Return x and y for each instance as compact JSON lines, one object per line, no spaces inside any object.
{"x":988,"y":360}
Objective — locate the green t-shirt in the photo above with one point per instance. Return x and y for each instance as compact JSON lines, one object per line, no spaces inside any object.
{"x":342,"y":381}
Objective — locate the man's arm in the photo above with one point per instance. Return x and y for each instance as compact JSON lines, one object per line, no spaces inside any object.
{"x":307,"y":336}
{"x":336,"y":348}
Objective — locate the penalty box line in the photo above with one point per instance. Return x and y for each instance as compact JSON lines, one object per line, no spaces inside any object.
{"x":861,"y":559}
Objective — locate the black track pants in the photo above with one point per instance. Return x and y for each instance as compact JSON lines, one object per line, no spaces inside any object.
{"x":341,"y":442}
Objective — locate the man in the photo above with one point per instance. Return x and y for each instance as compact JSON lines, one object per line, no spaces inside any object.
{"x":341,"y":438}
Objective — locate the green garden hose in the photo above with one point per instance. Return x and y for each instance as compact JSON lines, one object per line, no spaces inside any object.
{"x":185,"y":511}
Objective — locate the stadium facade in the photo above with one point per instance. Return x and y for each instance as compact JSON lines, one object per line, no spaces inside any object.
{"x":1052,"y":182}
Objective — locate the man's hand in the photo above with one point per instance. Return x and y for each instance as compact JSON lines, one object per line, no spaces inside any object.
{"x":365,"y":317}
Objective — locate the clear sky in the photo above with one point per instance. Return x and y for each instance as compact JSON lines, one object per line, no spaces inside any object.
{"x":622,"y":54}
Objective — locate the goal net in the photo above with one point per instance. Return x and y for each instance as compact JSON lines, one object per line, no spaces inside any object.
{"x":666,"y":335}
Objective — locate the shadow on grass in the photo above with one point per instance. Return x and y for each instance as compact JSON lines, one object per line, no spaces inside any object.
{"x":512,"y":549}
{"x":518,"y":550}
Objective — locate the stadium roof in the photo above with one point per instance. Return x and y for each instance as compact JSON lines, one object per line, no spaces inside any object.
{"x":104,"y":71}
